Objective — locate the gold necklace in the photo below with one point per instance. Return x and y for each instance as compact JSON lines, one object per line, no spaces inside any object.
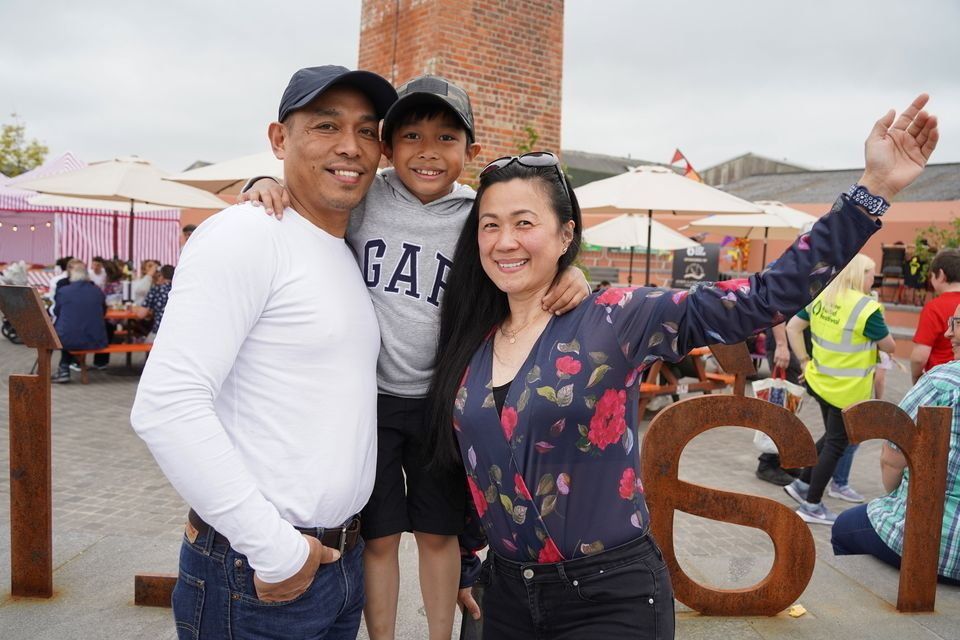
{"x":511,"y":336}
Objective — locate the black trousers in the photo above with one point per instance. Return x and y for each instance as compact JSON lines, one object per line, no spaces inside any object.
{"x":623,"y":592}
{"x":830,"y":448}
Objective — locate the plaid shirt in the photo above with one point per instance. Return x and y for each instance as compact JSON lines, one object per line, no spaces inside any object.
{"x":939,"y":387}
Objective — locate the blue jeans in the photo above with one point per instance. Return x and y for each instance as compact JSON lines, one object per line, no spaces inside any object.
{"x":841,"y":475}
{"x":215,"y":598}
{"x":854,"y":535}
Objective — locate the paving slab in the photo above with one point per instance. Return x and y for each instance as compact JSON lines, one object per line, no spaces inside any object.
{"x":93,"y":592}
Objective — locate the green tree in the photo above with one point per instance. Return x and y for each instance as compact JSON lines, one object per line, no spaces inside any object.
{"x":932,"y":239}
{"x":17,"y":155}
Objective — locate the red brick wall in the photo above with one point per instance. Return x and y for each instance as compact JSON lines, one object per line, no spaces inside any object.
{"x":507,"y":54}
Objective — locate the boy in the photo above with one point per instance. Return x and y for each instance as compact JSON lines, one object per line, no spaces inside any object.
{"x":404,"y":235}
{"x":930,"y":346}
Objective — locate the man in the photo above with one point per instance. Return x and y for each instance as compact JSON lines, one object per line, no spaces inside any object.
{"x":98,"y":273}
{"x":80,"y":308}
{"x":187,"y":232}
{"x":931,"y":347}
{"x":259,"y":397}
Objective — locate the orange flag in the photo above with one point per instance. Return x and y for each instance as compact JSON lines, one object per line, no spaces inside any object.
{"x":689,"y":171}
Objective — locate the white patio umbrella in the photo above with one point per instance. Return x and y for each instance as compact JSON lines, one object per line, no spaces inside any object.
{"x":636,"y":230}
{"x":130,"y":180}
{"x":649,"y":189}
{"x":229,"y":176}
{"x":777,"y":222}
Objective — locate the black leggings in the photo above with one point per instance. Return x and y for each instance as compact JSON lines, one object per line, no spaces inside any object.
{"x":830,"y":448}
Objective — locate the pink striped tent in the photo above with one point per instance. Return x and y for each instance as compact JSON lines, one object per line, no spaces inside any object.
{"x":39,"y":234}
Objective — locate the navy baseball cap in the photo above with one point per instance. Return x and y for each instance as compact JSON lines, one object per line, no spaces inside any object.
{"x":308,"y":83}
{"x":427,"y":89}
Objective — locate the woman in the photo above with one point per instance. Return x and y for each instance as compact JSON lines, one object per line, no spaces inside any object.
{"x":847,"y":330}
{"x":877,"y":528}
{"x":543,"y":408}
{"x":141,"y":286}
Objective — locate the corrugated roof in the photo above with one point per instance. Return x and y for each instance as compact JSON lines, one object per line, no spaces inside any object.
{"x":600,"y":163}
{"x":938,"y":182}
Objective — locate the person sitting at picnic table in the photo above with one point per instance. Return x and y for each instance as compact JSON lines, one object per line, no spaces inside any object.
{"x":142,"y":285}
{"x":97,"y":271}
{"x":542,"y":409}
{"x":877,"y":527}
{"x":156,"y":300}
{"x":80,"y":325}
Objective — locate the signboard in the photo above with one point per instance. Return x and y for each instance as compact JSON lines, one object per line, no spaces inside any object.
{"x":696,"y":264}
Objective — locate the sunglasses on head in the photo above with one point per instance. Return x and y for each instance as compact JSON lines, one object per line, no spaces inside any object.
{"x":534,"y":159}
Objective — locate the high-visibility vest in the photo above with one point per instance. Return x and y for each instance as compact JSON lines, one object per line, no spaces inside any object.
{"x":843,"y":359}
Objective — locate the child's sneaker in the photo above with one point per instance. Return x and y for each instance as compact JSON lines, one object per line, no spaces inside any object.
{"x":798,"y":490}
{"x":816,"y":513}
{"x":845,"y":492}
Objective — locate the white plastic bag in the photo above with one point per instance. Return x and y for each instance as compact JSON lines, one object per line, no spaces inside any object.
{"x":778,"y":390}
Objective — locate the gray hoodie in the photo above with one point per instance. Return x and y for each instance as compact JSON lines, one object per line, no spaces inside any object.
{"x":405,"y":251}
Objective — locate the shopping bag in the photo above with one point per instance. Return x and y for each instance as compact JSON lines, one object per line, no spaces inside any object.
{"x":781,"y":392}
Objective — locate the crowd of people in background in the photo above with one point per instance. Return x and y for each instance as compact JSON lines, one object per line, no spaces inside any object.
{"x":80,"y":295}
{"x":839,"y":347}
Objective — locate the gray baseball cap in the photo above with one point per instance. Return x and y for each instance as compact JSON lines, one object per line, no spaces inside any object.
{"x":427,"y":89}
{"x":308,"y":83}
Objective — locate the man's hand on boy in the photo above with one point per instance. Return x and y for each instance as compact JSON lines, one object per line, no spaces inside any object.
{"x":269,"y":194}
{"x":569,"y":291}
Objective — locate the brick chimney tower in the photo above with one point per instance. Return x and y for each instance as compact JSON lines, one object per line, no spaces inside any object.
{"x":507,"y":54}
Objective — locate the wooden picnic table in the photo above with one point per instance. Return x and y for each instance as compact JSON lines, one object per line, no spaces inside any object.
{"x":662,"y":381}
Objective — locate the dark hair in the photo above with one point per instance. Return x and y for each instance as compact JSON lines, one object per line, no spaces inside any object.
{"x":167,"y":271}
{"x":97,"y":259}
{"x":113,"y":270}
{"x":190,"y":228}
{"x":947,"y":260}
{"x":472,"y":305}
{"x":417,"y":111}
{"x":62,"y":262}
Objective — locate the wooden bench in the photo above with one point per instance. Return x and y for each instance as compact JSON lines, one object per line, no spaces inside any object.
{"x":127,"y":348}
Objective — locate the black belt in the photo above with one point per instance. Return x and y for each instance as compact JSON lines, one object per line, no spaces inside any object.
{"x":343,"y":538}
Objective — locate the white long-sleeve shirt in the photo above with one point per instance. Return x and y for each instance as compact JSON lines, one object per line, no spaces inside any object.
{"x":259,"y":397}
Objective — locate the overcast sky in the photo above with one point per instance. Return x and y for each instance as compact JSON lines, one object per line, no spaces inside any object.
{"x":179,"y":81}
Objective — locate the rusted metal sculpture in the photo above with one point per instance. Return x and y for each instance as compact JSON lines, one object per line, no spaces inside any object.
{"x":31,"y":526}
{"x":794,"y":550}
{"x":735,"y":359}
{"x":153,"y":589}
{"x":925,"y":445}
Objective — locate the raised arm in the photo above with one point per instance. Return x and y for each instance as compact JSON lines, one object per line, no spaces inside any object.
{"x":667,"y":325}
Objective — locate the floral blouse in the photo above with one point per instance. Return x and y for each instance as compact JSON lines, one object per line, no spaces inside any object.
{"x":556,"y":475}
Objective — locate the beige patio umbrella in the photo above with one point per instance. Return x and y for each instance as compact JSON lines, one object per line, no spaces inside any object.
{"x":48,"y":200}
{"x":777,"y":222}
{"x":229,"y":176}
{"x":636,"y":230}
{"x":649,"y":189}
{"x":130,"y":180}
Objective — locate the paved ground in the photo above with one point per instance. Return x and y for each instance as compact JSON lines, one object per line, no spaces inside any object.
{"x":115,"y":514}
